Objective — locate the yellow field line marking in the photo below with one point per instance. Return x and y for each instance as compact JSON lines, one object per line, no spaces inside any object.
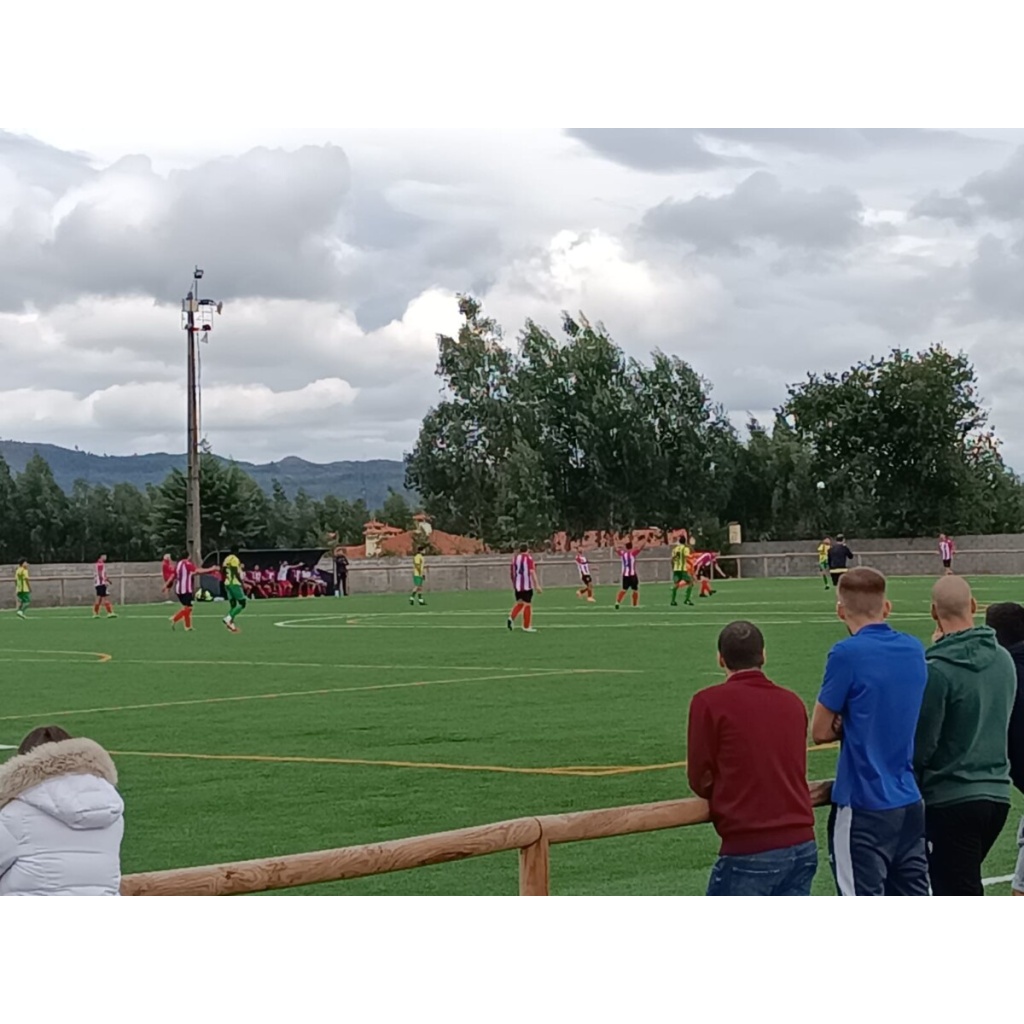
{"x":579,"y":771}
{"x":98,"y":655}
{"x":533,"y":674}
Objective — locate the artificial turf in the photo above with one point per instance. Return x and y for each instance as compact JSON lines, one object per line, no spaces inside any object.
{"x":447,"y":693}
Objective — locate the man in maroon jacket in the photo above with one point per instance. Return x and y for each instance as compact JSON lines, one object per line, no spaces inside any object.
{"x":747,"y":756}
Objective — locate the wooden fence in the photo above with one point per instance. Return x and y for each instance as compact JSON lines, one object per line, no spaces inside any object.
{"x":532,"y":837}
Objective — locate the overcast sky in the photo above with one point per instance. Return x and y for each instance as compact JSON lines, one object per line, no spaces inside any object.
{"x":755,"y":254}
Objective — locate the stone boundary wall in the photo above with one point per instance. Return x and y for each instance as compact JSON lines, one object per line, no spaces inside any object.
{"x":141,"y":582}
{"x":998,"y":554}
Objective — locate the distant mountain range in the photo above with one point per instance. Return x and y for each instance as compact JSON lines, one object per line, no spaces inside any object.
{"x":370,"y":481}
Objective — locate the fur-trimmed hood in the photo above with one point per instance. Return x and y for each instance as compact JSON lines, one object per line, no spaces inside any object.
{"x":53,"y":760}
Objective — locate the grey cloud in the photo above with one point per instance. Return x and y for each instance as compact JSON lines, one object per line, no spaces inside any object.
{"x":995,"y":276}
{"x":760,"y":208}
{"x":262,"y":223}
{"x":850,"y":143}
{"x":939,"y":207}
{"x":654,"y":149}
{"x":997,"y":193}
{"x":1000,"y":192}
{"x":37,"y":164}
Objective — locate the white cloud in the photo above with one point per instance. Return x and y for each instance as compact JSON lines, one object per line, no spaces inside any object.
{"x":326,"y":347}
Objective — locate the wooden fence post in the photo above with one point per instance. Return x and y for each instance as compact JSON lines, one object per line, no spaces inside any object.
{"x":535,"y":869}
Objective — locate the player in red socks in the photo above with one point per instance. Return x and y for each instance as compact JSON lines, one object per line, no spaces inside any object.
{"x":524,"y":583}
{"x":630,"y":579}
{"x":102,"y":585}
{"x":184,"y":573}
{"x":705,"y":564}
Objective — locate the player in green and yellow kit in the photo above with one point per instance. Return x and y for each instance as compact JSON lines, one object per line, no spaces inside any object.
{"x":22,"y":587}
{"x":823,"y":550}
{"x":681,"y":576}
{"x":235,"y":591}
{"x":419,"y":575}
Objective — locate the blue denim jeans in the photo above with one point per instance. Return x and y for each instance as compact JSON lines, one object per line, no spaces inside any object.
{"x":787,"y":872}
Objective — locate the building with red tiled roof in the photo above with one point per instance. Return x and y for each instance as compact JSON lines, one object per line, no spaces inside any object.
{"x":383,"y":540}
{"x":595,"y":539}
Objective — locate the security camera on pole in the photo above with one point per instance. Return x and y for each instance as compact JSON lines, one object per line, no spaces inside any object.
{"x":196,"y":318}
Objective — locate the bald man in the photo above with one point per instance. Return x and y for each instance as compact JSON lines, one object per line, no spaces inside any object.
{"x":960,"y":751}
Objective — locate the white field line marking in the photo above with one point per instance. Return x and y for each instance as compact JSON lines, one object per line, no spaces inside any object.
{"x":544,"y":627}
{"x":410,"y":668}
{"x":238,"y":698}
{"x":1002,"y":880}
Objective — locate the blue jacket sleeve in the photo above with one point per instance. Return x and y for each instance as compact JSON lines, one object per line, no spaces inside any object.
{"x":838,"y":679}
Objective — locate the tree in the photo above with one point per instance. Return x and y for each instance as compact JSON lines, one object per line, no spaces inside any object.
{"x":10,"y":525}
{"x":464,"y":441}
{"x":893,"y":438}
{"x":234,"y":511}
{"x":42,"y":512}
{"x":396,"y":511}
{"x":567,"y":433}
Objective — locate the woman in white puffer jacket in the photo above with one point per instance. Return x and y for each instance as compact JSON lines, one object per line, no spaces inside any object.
{"x":61,"y":819}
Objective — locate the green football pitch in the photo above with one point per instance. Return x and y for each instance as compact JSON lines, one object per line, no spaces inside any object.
{"x":330,"y":722}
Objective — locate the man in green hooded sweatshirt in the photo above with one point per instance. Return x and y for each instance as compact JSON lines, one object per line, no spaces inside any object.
{"x":960,"y":752}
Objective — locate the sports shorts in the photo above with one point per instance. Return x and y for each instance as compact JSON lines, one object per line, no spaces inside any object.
{"x":417,"y":581}
{"x":586,"y":580}
{"x":678,"y":576}
{"x":185,"y":600}
{"x":630,"y":582}
{"x":235,"y":593}
{"x":524,"y":596}
{"x":101,"y":590}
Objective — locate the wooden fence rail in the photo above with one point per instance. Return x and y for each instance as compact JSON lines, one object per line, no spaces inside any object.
{"x":532,"y":837}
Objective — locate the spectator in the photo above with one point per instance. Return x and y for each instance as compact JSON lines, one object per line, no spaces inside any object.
{"x":1008,"y":622}
{"x":871,"y":700}
{"x":167,"y":569}
{"x":340,"y":575}
{"x":284,"y":587}
{"x":960,"y":750}
{"x":747,"y":756}
{"x":61,"y":819}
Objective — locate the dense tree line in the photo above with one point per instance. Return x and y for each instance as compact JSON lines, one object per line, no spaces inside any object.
{"x":570,"y":434}
{"x":41,"y":522}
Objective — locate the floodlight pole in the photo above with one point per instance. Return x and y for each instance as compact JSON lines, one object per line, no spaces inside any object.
{"x":193,"y":521}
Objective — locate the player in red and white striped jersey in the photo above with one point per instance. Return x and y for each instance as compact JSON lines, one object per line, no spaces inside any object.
{"x":947,"y":549}
{"x":586,"y":579}
{"x":184,"y":574}
{"x":524,"y":583}
{"x":102,"y":583}
{"x":630,"y":579}
{"x":704,"y":564}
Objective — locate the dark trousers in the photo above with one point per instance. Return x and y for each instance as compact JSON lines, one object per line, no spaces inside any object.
{"x":879,"y":853}
{"x":342,"y":584}
{"x":959,"y":839}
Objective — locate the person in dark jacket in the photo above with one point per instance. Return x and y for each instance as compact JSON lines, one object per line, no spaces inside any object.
{"x":340,"y":575}
{"x":1007,"y":620}
{"x":839,"y":559}
{"x":960,"y":749}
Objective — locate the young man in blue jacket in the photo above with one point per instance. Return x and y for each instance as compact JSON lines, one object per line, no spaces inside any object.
{"x":870,"y":700}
